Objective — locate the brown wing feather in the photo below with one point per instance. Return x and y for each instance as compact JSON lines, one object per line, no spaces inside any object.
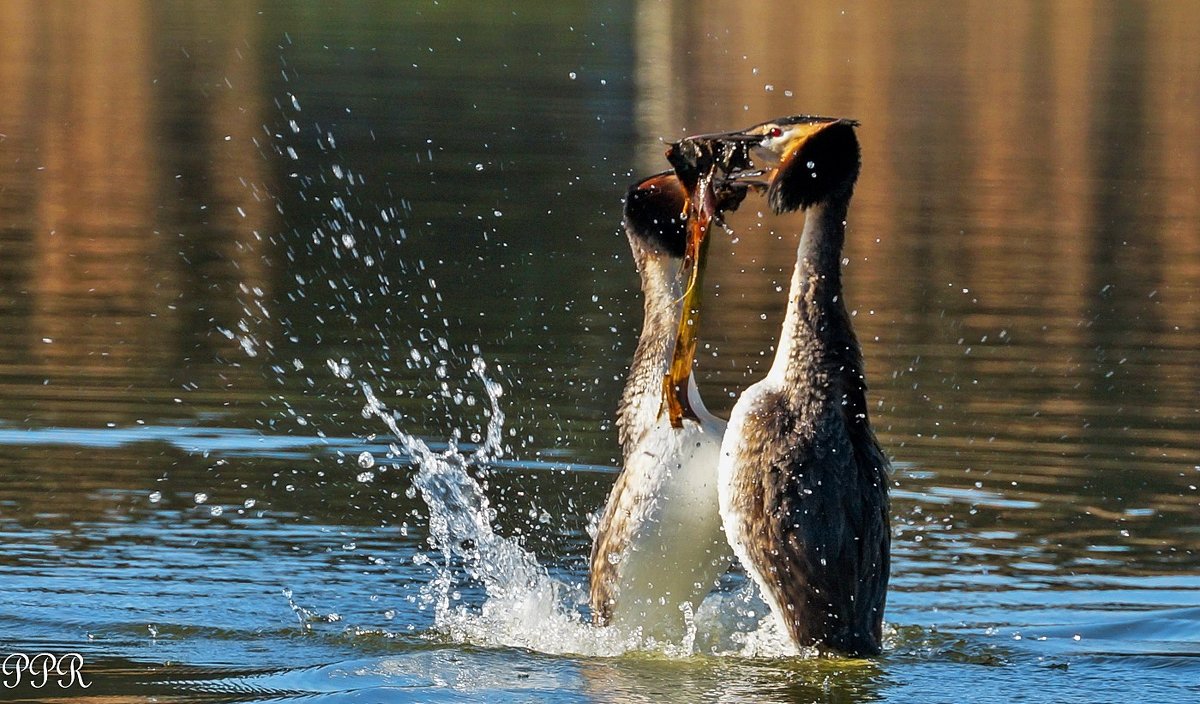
{"x":616,"y":529}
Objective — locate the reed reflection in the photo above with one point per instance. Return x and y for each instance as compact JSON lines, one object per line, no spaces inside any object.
{"x":114,"y":269}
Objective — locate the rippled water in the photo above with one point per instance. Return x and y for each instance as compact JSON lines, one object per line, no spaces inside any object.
{"x":269,"y":280}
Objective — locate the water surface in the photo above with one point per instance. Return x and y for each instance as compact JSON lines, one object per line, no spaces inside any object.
{"x":219,"y":227}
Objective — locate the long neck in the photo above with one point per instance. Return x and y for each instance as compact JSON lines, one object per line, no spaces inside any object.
{"x":817,"y":340}
{"x":642,"y":398}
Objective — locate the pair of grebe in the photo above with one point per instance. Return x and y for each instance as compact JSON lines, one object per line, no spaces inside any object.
{"x":795,"y":486}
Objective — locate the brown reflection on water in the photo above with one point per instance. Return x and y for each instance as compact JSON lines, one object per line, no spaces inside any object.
{"x":95,"y":188}
{"x":109,"y":299}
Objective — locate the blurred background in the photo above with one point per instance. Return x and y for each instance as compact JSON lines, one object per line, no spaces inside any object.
{"x":218,"y":220}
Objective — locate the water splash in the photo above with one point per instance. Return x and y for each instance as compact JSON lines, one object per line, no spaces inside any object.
{"x":523,"y":606}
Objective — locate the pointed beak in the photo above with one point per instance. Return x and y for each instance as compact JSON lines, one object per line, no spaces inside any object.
{"x":729,"y":138}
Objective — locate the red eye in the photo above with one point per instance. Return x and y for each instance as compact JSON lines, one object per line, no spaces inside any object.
{"x":774,"y":132}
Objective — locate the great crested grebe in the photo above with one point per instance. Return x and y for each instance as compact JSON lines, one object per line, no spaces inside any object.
{"x":802,"y":480}
{"x":660,"y":544}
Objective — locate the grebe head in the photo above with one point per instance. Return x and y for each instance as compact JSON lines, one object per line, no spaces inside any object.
{"x":809,"y":159}
{"x":655,"y":214}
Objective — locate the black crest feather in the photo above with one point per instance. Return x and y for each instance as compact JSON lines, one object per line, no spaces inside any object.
{"x":826,"y":165}
{"x":654,"y":213}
